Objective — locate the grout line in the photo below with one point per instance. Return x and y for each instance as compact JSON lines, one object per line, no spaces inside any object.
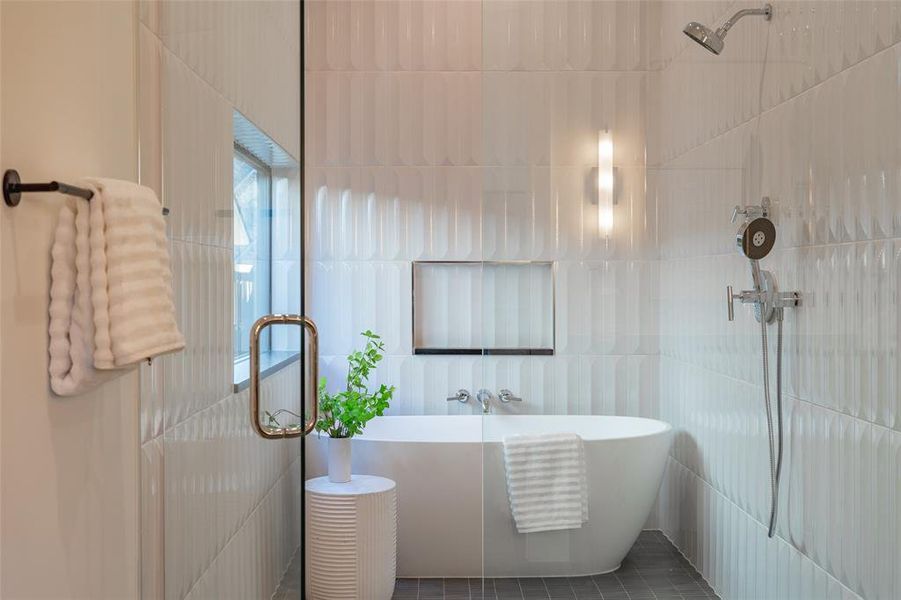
{"x":783,"y":249}
{"x":650,"y":542}
{"x":784,"y":395}
{"x":759,"y":114}
{"x":188,"y":242}
{"x":198,"y":412}
{"x":560,"y":261}
{"x":482,"y":70}
{"x":628,"y":595}
{"x":688,"y":560}
{"x":242,"y":522}
{"x":754,"y":520}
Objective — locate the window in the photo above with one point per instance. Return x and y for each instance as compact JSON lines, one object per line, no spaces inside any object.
{"x":252,"y":248}
{"x":268,"y":247}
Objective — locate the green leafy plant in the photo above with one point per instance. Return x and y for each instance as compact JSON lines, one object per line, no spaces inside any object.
{"x":345,"y":413}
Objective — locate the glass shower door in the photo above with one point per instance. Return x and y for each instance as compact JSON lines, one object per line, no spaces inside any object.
{"x":219,"y":103}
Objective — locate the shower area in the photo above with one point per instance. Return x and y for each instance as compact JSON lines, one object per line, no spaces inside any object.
{"x":530,"y":203}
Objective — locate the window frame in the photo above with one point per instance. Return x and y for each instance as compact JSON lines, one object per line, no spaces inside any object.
{"x":242,"y":153}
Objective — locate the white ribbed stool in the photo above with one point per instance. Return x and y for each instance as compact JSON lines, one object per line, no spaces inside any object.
{"x":351,"y":537}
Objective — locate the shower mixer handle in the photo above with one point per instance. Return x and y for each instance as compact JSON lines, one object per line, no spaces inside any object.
{"x":768,"y":300}
{"x":745,"y":297}
{"x":507,"y":396}
{"x":462,"y":396}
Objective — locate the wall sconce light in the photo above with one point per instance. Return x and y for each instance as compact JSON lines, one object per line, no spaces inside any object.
{"x":606,"y":183}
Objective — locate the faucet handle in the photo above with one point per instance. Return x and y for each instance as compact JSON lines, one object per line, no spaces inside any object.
{"x":730,"y":307}
{"x":462,"y":396}
{"x":507,"y":396}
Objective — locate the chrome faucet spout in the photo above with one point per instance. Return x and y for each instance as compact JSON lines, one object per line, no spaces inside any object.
{"x":484,"y":398}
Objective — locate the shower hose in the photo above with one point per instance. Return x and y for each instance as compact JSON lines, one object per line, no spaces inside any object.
{"x":775,"y":438}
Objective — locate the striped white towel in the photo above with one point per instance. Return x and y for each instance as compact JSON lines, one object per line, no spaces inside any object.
{"x":71,"y":312}
{"x":111,"y":290}
{"x":131,"y":280}
{"x":546,"y":481}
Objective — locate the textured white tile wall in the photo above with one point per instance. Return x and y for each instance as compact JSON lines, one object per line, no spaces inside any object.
{"x":220,"y":506}
{"x":804,"y":109}
{"x":515,"y":301}
{"x":465,"y":131}
{"x":248,"y":51}
{"x":558,"y":36}
{"x":468,"y":131}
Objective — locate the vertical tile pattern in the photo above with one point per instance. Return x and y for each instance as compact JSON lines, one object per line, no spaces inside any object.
{"x":467,"y":131}
{"x":220,"y":506}
{"x":516,"y":302}
{"x":779,"y":113}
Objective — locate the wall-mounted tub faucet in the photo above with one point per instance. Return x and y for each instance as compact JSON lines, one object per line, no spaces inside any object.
{"x":756,"y":238}
{"x":484,"y":398}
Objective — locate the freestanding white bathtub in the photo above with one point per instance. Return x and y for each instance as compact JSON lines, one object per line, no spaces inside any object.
{"x":453,"y":514}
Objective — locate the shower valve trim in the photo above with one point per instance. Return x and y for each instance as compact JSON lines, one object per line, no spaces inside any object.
{"x":767,"y":299}
{"x":755,"y":240}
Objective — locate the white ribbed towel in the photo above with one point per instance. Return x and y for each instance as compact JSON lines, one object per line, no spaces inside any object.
{"x":131,"y":279}
{"x":546,"y":481}
{"x":71,"y":313}
{"x":111,"y":287}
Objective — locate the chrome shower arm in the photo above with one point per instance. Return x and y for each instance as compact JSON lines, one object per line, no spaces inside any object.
{"x":713,"y":40}
{"x":766,"y":12}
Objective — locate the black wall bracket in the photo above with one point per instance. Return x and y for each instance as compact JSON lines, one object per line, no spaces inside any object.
{"x":13,"y":188}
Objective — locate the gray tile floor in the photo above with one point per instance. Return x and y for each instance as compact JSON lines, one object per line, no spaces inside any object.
{"x":653,"y":570}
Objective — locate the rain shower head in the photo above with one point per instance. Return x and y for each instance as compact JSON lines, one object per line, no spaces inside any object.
{"x":714,"y":40}
{"x":704,"y":36}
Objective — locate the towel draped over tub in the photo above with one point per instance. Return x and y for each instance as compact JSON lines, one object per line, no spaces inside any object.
{"x":546,"y":481}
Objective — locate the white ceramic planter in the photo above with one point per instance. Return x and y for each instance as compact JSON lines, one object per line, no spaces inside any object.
{"x":339,"y":460}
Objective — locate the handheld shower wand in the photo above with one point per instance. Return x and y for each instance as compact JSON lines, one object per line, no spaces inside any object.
{"x":756,"y":238}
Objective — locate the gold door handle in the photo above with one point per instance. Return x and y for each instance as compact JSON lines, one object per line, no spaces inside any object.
{"x":267,"y":431}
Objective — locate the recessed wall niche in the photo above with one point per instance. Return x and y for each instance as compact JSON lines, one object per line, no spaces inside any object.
{"x":483,"y":308}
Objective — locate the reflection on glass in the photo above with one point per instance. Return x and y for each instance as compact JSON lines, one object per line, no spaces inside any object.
{"x":252,"y":235}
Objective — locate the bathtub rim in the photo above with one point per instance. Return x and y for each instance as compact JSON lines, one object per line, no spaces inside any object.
{"x":470,"y":429}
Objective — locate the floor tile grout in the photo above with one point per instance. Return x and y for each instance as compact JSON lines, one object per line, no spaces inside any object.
{"x":654,"y":569}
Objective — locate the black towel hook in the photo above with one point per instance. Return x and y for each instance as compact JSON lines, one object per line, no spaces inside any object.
{"x":13,"y":188}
